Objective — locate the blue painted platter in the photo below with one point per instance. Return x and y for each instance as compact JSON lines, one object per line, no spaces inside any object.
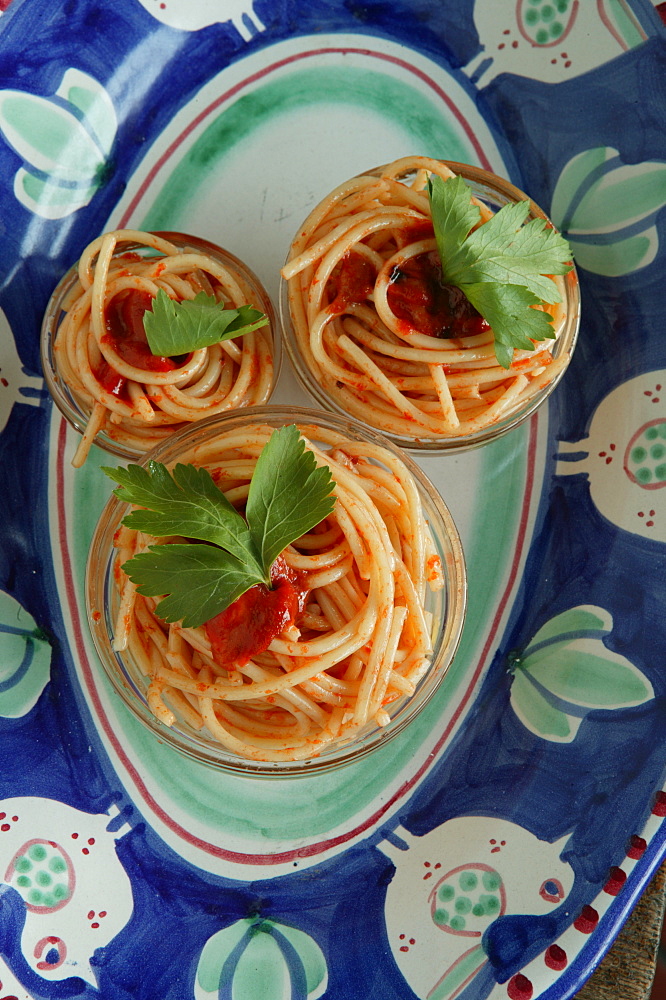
{"x":495,"y":848}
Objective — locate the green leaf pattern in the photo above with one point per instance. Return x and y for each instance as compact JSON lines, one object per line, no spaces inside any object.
{"x":607,"y":210}
{"x":94,"y":104}
{"x":64,"y":143}
{"x":538,"y":715}
{"x":257,"y":959}
{"x":567,"y":671}
{"x":25,"y":659}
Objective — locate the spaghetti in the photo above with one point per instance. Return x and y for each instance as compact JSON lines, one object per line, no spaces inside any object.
{"x":360,"y":641}
{"x":101,"y":354}
{"x":378,"y":331}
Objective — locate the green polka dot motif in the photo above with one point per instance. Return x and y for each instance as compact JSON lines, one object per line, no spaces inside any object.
{"x":646,"y":461}
{"x":40,"y":876}
{"x":546,"y":19}
{"x":468,"y":881}
{"x":467,"y":901}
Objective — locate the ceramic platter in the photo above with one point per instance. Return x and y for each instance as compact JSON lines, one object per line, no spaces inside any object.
{"x":495,"y":847}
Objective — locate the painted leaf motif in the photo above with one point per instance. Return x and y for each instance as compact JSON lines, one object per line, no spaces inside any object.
{"x":583,"y":672}
{"x":572,"y":178}
{"x":575,"y":621}
{"x":538,"y":715}
{"x":214,"y":954}
{"x":607,"y":210}
{"x":64,"y":142}
{"x":312,"y":957}
{"x":261,"y":973}
{"x":567,"y":671}
{"x":255,"y":959}
{"x":615,"y":259}
{"x":620,"y":196}
{"x":49,"y":137}
{"x":51,"y":201}
{"x":25,"y":659}
{"x":91,"y":99}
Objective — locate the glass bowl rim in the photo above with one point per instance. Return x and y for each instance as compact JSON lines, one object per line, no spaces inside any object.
{"x":449,"y":630}
{"x":566,"y":342}
{"x":60,"y":393}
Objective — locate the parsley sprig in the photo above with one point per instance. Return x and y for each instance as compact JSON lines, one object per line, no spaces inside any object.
{"x":174,"y":328}
{"x":289,"y":494}
{"x":503,"y":266}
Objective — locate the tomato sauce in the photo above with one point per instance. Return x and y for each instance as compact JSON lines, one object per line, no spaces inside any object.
{"x":417,"y":231}
{"x":418,"y":296}
{"x":249,"y":625}
{"x":352,"y":281}
{"x":126,"y":335}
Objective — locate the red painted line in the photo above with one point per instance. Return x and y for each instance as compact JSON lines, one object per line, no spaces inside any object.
{"x":280,"y":64}
{"x":323,"y":845}
{"x":76,"y":620}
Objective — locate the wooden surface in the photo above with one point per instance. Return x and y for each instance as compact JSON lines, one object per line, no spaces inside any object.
{"x":627,"y":971}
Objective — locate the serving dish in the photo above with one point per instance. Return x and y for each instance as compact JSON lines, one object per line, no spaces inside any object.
{"x":540,"y":789}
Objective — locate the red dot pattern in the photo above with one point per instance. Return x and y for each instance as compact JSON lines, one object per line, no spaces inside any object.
{"x":659,"y":807}
{"x":556,"y":958}
{"x":616,"y":880}
{"x":637,"y":847}
{"x":519,"y":988}
{"x":587,"y":920}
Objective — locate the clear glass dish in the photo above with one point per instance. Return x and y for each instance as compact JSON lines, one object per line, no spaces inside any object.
{"x":76,"y":406}
{"x":354,"y":397}
{"x":446,"y":606}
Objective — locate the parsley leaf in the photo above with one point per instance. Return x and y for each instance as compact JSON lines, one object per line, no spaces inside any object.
{"x":503,"y":266}
{"x":286,"y":487}
{"x":289,"y":494}
{"x":186,"y":502}
{"x":453,"y":214}
{"x":174,"y":328}
{"x":200,"y":580}
{"x":507,"y":308}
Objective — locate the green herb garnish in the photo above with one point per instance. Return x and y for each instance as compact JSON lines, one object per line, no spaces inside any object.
{"x":502,"y":266}
{"x":289,"y":494}
{"x":174,"y":328}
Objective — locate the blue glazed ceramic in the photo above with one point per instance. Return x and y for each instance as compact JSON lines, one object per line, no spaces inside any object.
{"x":495,"y":847}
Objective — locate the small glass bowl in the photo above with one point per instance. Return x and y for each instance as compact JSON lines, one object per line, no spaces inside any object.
{"x":494,"y":192}
{"x":76,"y":408}
{"x":447,"y":605}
